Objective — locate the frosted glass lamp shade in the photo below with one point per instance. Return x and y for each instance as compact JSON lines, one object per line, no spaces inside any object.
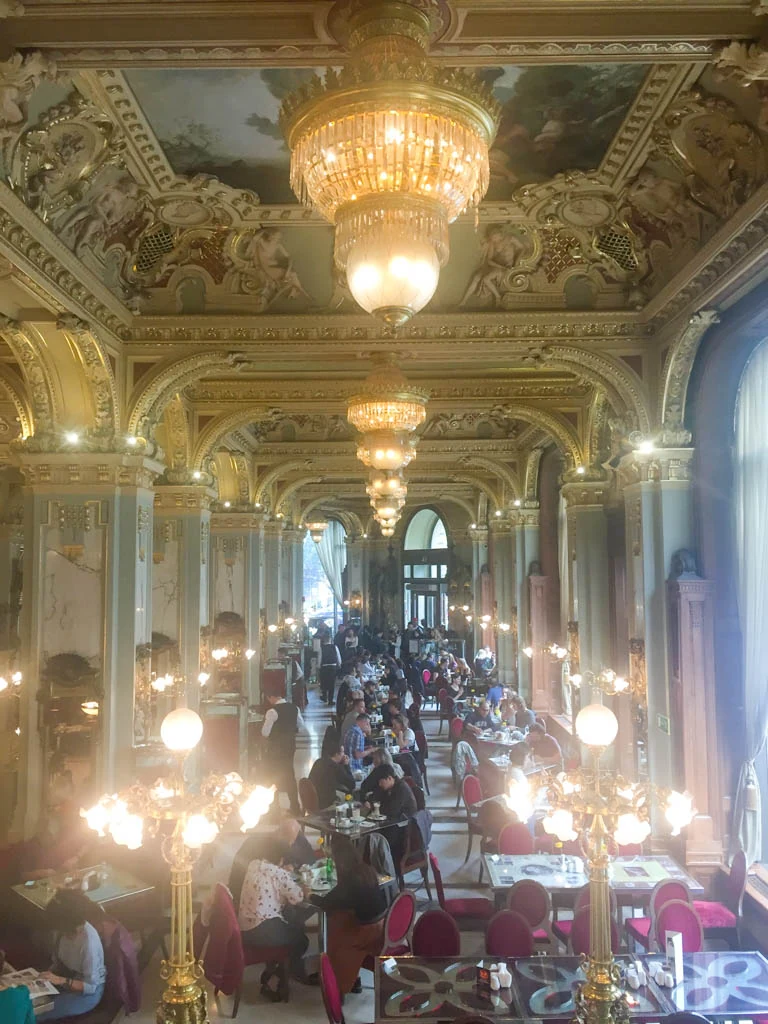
{"x":181,"y":730}
{"x":392,"y":275}
{"x":596,"y":725}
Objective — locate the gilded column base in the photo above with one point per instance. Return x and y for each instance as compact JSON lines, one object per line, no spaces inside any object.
{"x":184,"y":1000}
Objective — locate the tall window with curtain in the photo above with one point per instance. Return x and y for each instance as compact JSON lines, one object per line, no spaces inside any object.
{"x":751,"y":530}
{"x":324,"y":564}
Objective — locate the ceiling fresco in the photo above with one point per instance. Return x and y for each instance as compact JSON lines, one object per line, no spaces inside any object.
{"x":225,"y":122}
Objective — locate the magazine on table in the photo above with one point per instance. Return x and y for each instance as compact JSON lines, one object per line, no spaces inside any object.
{"x":31,"y":979}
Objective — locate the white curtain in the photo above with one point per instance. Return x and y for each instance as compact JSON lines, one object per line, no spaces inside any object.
{"x":332,"y":552}
{"x":751,"y":502}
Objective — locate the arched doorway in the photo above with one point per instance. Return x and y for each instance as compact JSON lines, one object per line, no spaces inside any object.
{"x":425,"y":569}
{"x":324,"y":565}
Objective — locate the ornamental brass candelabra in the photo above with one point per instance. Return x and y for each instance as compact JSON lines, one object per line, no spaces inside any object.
{"x":184,"y":821}
{"x":601,"y":809}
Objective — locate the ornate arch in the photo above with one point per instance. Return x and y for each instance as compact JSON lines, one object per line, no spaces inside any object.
{"x":217,"y":430}
{"x":291,"y":488}
{"x":351,"y":521}
{"x":149,"y":399}
{"x":624,"y":389}
{"x":561,"y":431}
{"x":10,"y":384}
{"x":499,"y":469}
{"x":98,"y":372}
{"x":275,"y":473}
{"x":532,"y":463}
{"x":39,"y":376}
{"x":598,"y":415}
{"x":177,"y":441}
{"x":673,"y":385}
{"x":482,"y":485}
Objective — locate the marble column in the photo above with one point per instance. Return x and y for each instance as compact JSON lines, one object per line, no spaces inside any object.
{"x":180,"y":578}
{"x":272,"y":590}
{"x":588,"y":569}
{"x":659,"y":523}
{"x":356,"y":574}
{"x":503,"y":575}
{"x":481,"y":580}
{"x":86,"y":611}
{"x":236,"y":557}
{"x":526,"y":524}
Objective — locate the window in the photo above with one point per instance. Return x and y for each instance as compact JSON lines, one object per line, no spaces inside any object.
{"x":425,"y":567}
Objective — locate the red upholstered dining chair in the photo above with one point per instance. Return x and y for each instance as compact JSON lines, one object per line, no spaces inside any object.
{"x":418,"y":792}
{"x":455,"y":729}
{"x":529,"y":898}
{"x":721,"y":920}
{"x":640,"y":929}
{"x":446,"y":706}
{"x":472,"y":794}
{"x":226,"y":957}
{"x":397,"y":924}
{"x":329,"y":989}
{"x":436,"y":934}
{"x":680,"y":1018}
{"x":415,"y":856}
{"x":508,"y":934}
{"x":473,"y":909}
{"x":308,"y":798}
{"x":422,"y":753}
{"x":677,"y":916}
{"x":563,"y":928}
{"x":579,"y":938}
{"x":515,"y":838}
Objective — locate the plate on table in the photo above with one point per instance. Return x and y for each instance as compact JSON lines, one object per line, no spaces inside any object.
{"x":377,"y":817}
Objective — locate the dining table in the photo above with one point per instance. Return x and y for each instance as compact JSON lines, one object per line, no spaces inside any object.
{"x":109,"y":886}
{"x":721,"y":985}
{"x":355,"y":830}
{"x":633,"y":878}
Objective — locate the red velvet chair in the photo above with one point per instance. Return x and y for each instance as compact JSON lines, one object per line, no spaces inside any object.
{"x":515,"y":838}
{"x":641,"y":929}
{"x":422,"y":753}
{"x":446,"y":707}
{"x":472,"y":794}
{"x":436,"y":934}
{"x":580,"y":930}
{"x":225,"y":955}
{"x":529,"y":898}
{"x":308,"y":798}
{"x":456,"y":728}
{"x":475,"y":909}
{"x":329,"y":989}
{"x":563,"y":929}
{"x":508,"y":935}
{"x":396,"y":927}
{"x":677,"y":916}
{"x":721,"y":920}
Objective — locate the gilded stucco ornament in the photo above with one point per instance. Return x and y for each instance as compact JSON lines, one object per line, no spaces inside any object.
{"x":20,"y":75}
{"x":675,"y":375}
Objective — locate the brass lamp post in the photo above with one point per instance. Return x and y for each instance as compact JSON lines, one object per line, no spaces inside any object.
{"x":187,"y":821}
{"x":599,"y":807}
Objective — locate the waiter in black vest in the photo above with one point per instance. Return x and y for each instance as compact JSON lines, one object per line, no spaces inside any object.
{"x":330,"y":663}
{"x":281,"y":724}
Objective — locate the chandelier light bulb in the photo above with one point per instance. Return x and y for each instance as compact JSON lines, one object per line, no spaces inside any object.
{"x":181,"y":730}
{"x":387,"y":531}
{"x":16,"y":678}
{"x":391,"y":275}
{"x":199,"y":831}
{"x":72,"y":437}
{"x":518,"y":798}
{"x":679,"y":811}
{"x":3,"y":683}
{"x":630,"y":830}
{"x":256,"y":806}
{"x":559,"y":823}
{"x":203,"y":678}
{"x":249,"y":654}
{"x":528,"y":651}
{"x":596,"y":725}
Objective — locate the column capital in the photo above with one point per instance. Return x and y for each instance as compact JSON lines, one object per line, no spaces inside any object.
{"x":88,"y":469}
{"x":294,"y":534}
{"x":526,"y":515}
{"x":502,"y":527}
{"x":585,"y":489}
{"x":237,"y":520}
{"x":479,"y":535}
{"x":273,"y":527}
{"x":662,"y":465}
{"x":173,"y":498}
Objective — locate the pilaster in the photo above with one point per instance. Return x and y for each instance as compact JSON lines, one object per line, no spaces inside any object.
{"x":292,"y":569}
{"x":236,"y":586}
{"x":526,"y":561}
{"x":272,"y":580}
{"x":180,"y":579}
{"x":357,"y":557}
{"x":481,"y":582}
{"x":588,"y":567}
{"x":657,"y":500}
{"x":503,"y":579}
{"x":86,"y":611}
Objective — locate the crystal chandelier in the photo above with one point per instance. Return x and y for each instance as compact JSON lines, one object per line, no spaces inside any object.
{"x":390,"y":150}
{"x":386,"y":412}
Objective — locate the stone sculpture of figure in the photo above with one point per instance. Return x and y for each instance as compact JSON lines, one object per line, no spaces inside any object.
{"x":664,"y":209}
{"x":266,"y":268}
{"x":89,"y":225}
{"x":683,"y":564}
{"x":502,"y":248}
